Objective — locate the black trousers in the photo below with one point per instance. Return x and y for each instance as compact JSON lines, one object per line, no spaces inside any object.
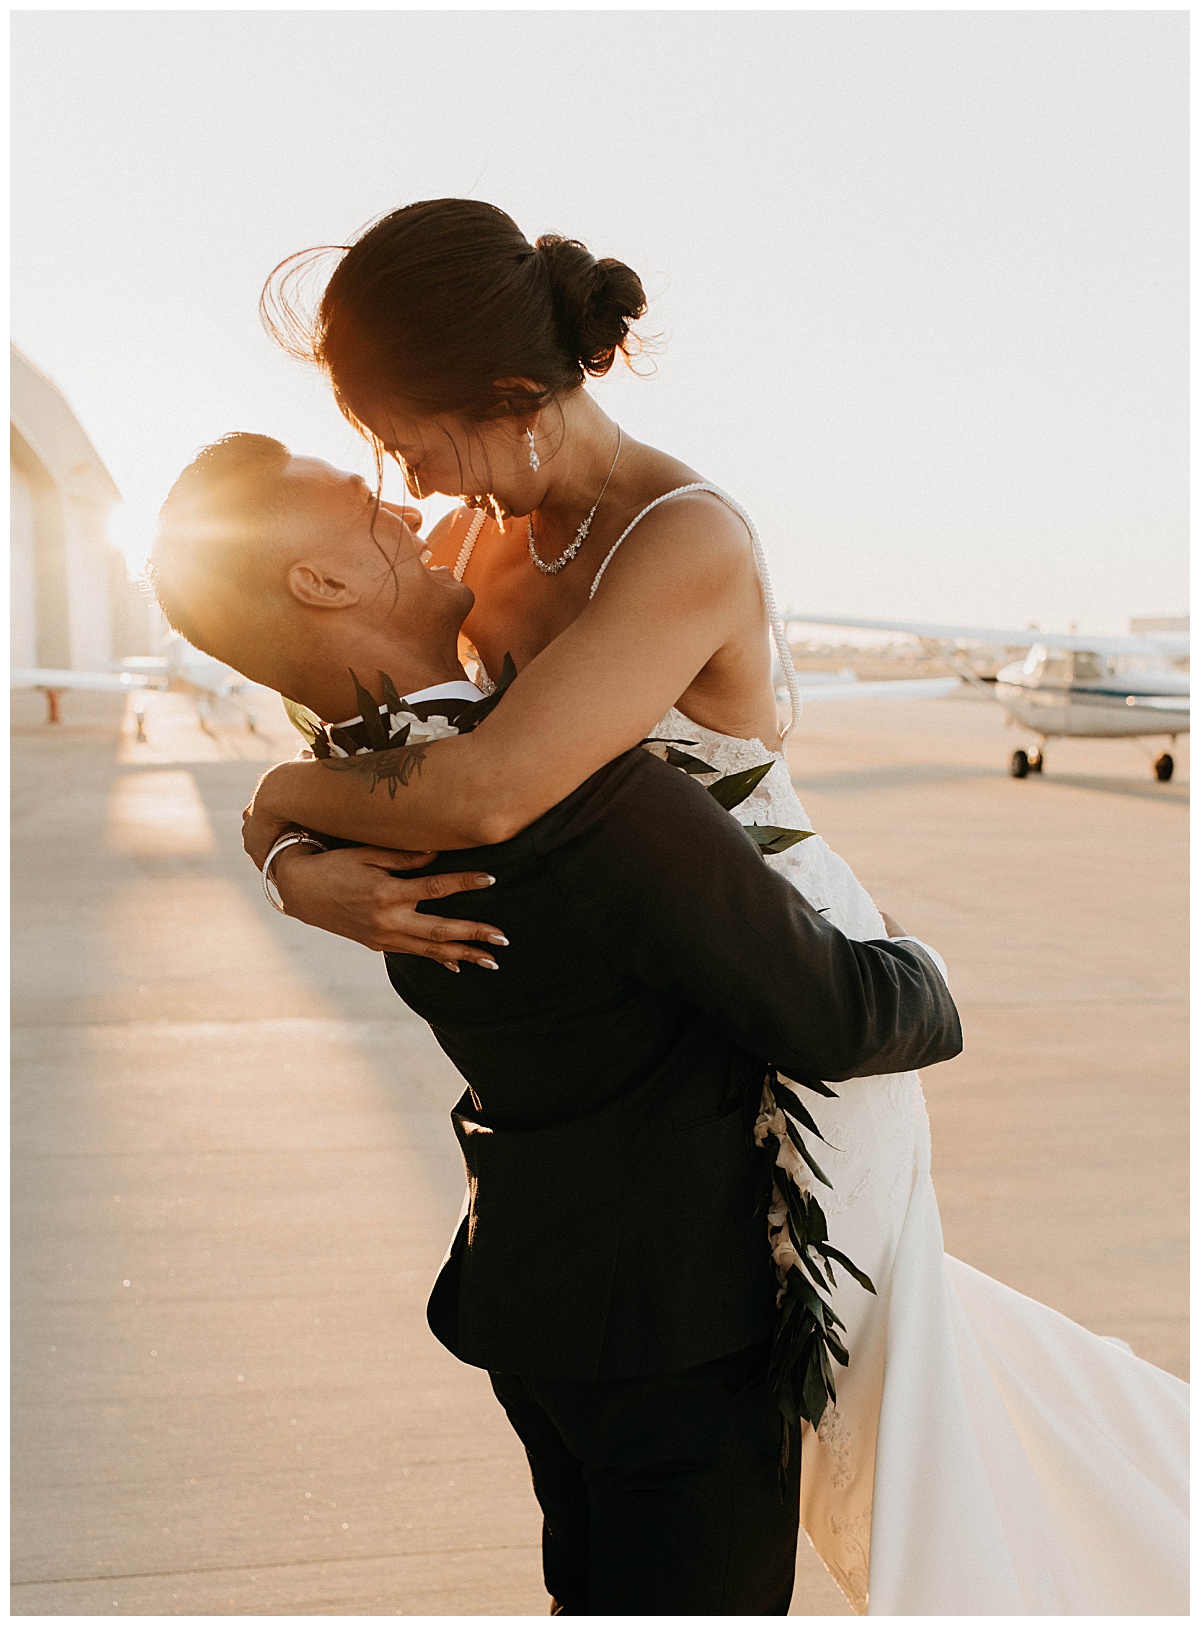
{"x":661,"y":1495}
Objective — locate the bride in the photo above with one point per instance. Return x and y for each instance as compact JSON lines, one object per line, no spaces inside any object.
{"x":985,"y":1454}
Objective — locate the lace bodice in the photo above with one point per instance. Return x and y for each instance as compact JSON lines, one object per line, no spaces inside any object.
{"x":813,"y":868}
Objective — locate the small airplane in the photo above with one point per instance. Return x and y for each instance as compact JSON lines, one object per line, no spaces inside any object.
{"x":1067,"y":685}
{"x":181,"y":669}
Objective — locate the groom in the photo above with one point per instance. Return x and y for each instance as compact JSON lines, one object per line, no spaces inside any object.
{"x":612,"y":1272}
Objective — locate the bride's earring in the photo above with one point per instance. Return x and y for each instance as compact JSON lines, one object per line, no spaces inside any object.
{"x":535,"y":461}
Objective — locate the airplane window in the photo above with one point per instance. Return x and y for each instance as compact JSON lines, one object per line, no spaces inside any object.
{"x":1087,"y":667}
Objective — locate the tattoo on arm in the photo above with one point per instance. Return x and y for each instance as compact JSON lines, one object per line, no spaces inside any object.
{"x":393,"y":768}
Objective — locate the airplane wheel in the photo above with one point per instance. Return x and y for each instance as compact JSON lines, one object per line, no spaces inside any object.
{"x":1019,"y":766}
{"x":1164,"y":766}
{"x":1036,"y":762}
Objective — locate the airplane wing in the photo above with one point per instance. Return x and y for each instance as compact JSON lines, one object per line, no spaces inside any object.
{"x":1159,"y":643}
{"x":148,"y":666}
{"x":899,"y":689}
{"x":186,"y":667}
{"x":48,"y":677}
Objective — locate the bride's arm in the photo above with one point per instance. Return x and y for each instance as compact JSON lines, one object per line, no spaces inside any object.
{"x":674,"y":595}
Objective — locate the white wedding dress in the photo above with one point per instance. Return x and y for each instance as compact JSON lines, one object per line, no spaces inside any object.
{"x":986,"y":1455}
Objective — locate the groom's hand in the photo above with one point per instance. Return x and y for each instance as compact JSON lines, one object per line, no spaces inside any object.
{"x":350,"y":892}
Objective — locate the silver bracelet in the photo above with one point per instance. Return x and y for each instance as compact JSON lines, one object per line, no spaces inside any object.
{"x":293,"y":838}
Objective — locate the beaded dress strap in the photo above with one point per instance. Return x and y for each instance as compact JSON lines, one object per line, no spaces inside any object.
{"x":760,"y":560}
{"x":468,"y":547}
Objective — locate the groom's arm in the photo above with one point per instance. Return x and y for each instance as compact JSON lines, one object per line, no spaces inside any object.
{"x":678,"y":895}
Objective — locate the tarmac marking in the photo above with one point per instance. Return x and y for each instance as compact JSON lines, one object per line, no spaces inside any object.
{"x":277,"y":1564}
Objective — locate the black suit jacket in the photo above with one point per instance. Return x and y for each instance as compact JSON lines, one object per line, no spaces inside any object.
{"x":614,"y":1066}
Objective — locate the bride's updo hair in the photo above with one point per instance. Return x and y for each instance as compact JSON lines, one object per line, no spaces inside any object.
{"x":442,"y":304}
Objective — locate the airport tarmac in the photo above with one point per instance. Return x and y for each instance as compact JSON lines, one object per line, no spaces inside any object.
{"x":234,"y":1174}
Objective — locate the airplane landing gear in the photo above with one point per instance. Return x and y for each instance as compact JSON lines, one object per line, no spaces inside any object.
{"x":1026,"y":762}
{"x":1164,"y":767}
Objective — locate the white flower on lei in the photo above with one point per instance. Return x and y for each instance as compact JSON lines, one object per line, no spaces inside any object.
{"x":783,"y":1251}
{"x":789,"y":1160}
{"x":424,"y":730}
{"x":770,"y":1121}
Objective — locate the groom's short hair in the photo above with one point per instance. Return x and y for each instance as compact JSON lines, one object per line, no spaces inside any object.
{"x":216,"y":547}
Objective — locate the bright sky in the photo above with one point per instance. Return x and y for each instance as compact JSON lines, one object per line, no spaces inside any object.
{"x":922,"y":274}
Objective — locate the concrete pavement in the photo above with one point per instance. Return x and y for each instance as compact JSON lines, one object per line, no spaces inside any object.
{"x":234,"y":1176}
{"x":234,"y":1182}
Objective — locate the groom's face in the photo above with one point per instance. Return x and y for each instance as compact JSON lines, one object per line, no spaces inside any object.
{"x":350,"y":552}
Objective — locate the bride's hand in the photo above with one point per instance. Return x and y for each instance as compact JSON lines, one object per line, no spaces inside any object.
{"x":349,"y":891}
{"x":260,"y":831}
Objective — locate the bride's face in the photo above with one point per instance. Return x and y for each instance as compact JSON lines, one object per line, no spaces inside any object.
{"x":458,"y":458}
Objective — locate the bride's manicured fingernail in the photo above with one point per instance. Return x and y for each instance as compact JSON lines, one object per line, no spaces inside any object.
{"x":451,"y":965}
{"x":490,"y":964}
{"x":495,"y":937}
{"x":484,"y":880}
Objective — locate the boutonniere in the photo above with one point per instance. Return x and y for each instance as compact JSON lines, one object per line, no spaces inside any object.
{"x":397,"y":738}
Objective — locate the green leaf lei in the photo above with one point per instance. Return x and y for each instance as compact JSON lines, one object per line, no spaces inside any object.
{"x":380,"y":726}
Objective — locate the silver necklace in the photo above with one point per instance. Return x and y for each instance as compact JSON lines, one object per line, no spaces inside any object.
{"x":553,"y":567}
